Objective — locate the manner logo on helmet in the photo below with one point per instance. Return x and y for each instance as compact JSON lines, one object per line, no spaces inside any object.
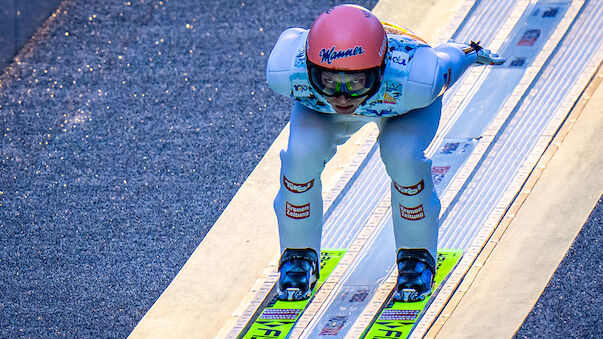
{"x":328,"y":55}
{"x":297,"y":188}
{"x":410,"y":190}
{"x":297,"y":212}
{"x":412,"y":213}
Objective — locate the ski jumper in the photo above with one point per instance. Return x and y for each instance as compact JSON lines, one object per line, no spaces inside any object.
{"x":406,"y":108}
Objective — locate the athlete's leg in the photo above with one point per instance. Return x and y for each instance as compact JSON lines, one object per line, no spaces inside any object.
{"x":313,"y":140}
{"x":415,"y":205}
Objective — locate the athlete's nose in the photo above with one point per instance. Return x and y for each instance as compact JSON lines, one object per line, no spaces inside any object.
{"x":341,"y":98}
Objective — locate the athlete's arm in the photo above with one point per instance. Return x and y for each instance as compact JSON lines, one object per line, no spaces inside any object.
{"x":281,"y":60}
{"x":454,"y":58}
{"x":434,"y":70}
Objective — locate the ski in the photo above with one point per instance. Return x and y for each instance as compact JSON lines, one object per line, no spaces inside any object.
{"x":277,"y":319}
{"x":397,"y":319}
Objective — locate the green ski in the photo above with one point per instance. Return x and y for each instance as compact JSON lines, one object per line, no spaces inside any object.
{"x":278,"y":318}
{"x":397,"y":319}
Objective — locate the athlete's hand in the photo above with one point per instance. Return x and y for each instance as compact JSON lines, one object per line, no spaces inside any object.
{"x":485,"y":56}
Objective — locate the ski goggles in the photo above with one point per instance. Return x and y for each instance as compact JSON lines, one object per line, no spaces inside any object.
{"x":351,"y":84}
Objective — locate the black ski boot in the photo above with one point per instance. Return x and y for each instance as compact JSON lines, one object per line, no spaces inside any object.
{"x":416,"y":271}
{"x":299,"y":272}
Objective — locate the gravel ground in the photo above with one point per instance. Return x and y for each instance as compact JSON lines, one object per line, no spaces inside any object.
{"x":571,"y":305}
{"x":127,"y":127}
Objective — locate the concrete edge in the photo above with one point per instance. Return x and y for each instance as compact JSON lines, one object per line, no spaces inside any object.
{"x":501,"y":287}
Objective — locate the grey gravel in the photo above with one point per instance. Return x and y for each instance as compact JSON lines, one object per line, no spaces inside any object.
{"x":126,"y":128}
{"x":571,"y":306}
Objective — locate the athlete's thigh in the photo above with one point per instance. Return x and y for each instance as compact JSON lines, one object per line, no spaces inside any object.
{"x":414,"y":129}
{"x":322,"y":130}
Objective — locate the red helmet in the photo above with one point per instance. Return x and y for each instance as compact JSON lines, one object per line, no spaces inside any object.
{"x":346,"y":51}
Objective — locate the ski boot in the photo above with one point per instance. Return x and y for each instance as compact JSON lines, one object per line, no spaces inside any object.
{"x":485,"y":56}
{"x":299,"y":271}
{"x":416,"y":271}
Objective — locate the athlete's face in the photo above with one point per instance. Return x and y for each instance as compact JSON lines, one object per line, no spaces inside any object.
{"x":344,"y":105}
{"x":354,"y":82}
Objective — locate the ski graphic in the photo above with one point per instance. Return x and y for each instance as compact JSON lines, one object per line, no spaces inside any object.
{"x":278,"y":317}
{"x":397,"y":319}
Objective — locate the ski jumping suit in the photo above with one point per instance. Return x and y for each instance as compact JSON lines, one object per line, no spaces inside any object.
{"x":406,"y":108}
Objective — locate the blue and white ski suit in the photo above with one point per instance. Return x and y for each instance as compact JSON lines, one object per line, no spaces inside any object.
{"x":406,"y":108}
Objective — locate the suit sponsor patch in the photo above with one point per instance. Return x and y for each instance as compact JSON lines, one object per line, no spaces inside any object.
{"x":410,"y":190}
{"x":388,"y":99}
{"x":300,"y":88}
{"x":412,"y":213}
{"x":400,"y":58}
{"x":297,"y":212}
{"x":297,"y":188}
